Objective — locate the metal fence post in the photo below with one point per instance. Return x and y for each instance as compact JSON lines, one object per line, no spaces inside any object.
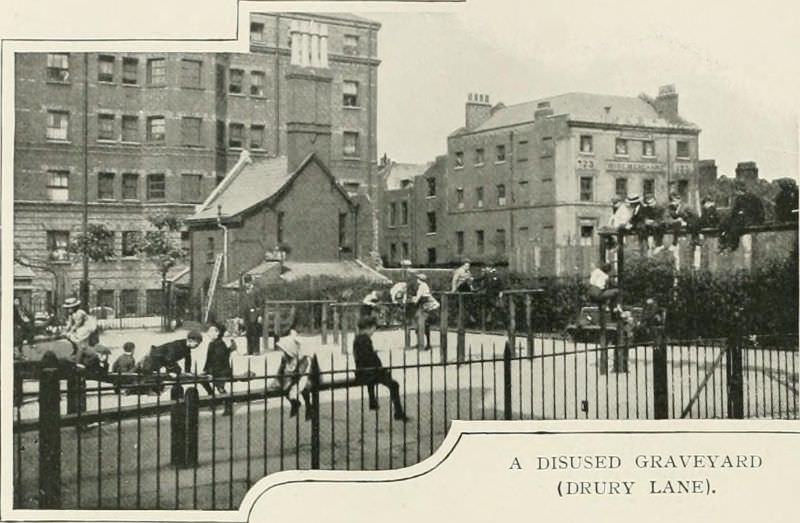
{"x":460,"y":334}
{"x":660,"y":385}
{"x":336,"y":326}
{"x":529,"y":322}
{"x":602,"y":353}
{"x":192,"y":403}
{"x":345,"y":325}
{"x":76,"y":393}
{"x":512,"y":323}
{"x":49,"y":440}
{"x":315,"y":424}
{"x":177,"y":421}
{"x":406,"y":331}
{"x":507,"y":382}
{"x":324,"y":324}
{"x":265,"y":327}
{"x":733,"y":366}
{"x":443,"y":319}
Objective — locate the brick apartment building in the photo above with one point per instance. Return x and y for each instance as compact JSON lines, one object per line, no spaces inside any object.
{"x":542,"y":173}
{"x":158,"y":131}
{"x":413,"y":212}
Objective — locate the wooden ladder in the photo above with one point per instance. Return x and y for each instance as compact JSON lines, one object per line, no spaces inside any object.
{"x":212,"y":286}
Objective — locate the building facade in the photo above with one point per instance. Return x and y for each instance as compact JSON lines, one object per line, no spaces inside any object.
{"x":542,"y":174}
{"x":156,"y":132}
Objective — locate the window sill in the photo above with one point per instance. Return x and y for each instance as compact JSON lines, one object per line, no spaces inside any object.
{"x":257,"y":149}
{"x":351,"y":158}
{"x":124,"y":142}
{"x":499,"y":162}
{"x":106,"y":141}
{"x":193,"y":87}
{"x":586,"y":153}
{"x":106,"y":82}
{"x":258,"y":96}
{"x":352,"y":107}
{"x":623,"y":156}
{"x":56,"y":140}
{"x":106,"y":200}
{"x":129,"y":258}
{"x":130,"y":84}
{"x":478,"y":165}
{"x":236,"y":148}
{"x":458,"y":168}
{"x":683,"y":158}
{"x":430,"y":234}
{"x":131,"y":200}
{"x":237,"y":94}
{"x":58,"y":82}
{"x":653,"y":157}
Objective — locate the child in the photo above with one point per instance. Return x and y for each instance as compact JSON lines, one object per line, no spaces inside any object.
{"x":599,"y":290}
{"x":218,"y":364}
{"x":169,"y":354}
{"x":292,"y":376}
{"x":370,"y":370}
{"x":126,"y":361}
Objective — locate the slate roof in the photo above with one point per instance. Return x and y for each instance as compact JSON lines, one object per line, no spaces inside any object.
{"x":584,"y":107}
{"x":292,"y":271}
{"x":404,"y":171}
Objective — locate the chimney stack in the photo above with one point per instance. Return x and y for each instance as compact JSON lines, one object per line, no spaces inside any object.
{"x":478,"y":110}
{"x":543,"y":110}
{"x":308,"y":82}
{"x":666,"y":103}
{"x":706,"y":175}
{"x":747,"y":172}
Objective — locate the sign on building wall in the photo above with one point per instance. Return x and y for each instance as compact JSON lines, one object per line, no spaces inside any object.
{"x":649,"y":167}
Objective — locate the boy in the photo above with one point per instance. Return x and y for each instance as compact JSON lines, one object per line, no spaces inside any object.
{"x":599,"y":290}
{"x":370,"y":370}
{"x":126,"y":362}
{"x":169,"y":354}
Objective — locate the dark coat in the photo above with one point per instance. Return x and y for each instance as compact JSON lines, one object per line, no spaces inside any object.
{"x":748,"y":210}
{"x":368,"y":365}
{"x":785,"y":203}
{"x":169,"y":354}
{"x":251,"y":306}
{"x":218,"y":359}
{"x":709,"y":218}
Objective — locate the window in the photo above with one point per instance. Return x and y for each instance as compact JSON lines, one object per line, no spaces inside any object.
{"x":105,"y":126}
{"x":127,"y":302}
{"x":57,"y":125}
{"x":522,"y":151}
{"x":153,"y":302}
{"x":431,"y":186}
{"x":683,"y":190}
{"x":130,"y":243}
{"x":500,"y":153}
{"x":648,"y":187}
{"x":235,"y":79}
{"x":460,"y":198}
{"x":431,"y":256}
{"x":257,"y":83}
{"x":191,"y":73}
{"x":524,"y":233}
{"x":350,"y":46}
{"x":479,"y":153}
{"x":210,"y":253}
{"x":130,"y":128}
{"x":105,"y":68}
{"x":57,"y":245}
{"x":156,"y":188}
{"x":350,"y":94}
{"x":500,"y":241}
{"x":459,"y":160}
{"x":279,"y":226}
{"x":621,"y":147}
{"x":501,"y":195}
{"x":587,"y":233}
{"x":190,"y":130}
{"x":459,"y":242}
{"x":403,"y":213}
{"x":235,"y":135}
{"x":587,"y":192}
{"x":683,"y":150}
{"x":342,"y":229}
{"x":156,"y":129}
{"x":431,"y":223}
{"x":393,"y":252}
{"x":621,"y":187}
{"x":130,"y":71}
{"x":405,"y":251}
{"x":58,"y":186}
{"x":587,"y":144}
{"x":648,"y":148}
{"x":105,"y":186}
{"x":547,"y":147}
{"x":157,"y":71}
{"x":105,"y":298}
{"x":523,"y":195}
{"x":256,"y":136}
{"x":58,"y":67}
{"x":479,"y":242}
{"x":350,"y":144}
{"x":257,"y":31}
{"x":393,"y":214}
{"x":479,"y":196}
{"x":191,"y":188}
{"x":130,"y":186}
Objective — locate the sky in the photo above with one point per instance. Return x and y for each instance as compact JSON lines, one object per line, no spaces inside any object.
{"x":735,"y":67}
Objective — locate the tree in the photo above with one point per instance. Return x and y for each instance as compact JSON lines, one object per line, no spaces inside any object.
{"x":161,"y":245}
{"x":98,"y":244}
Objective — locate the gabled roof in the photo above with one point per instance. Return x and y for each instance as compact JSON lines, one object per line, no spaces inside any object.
{"x":250,"y":184}
{"x":583,"y":107}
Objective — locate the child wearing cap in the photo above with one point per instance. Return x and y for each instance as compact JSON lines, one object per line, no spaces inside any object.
{"x":125,"y":362}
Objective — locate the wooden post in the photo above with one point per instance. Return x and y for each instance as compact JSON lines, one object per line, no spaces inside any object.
{"x":336,"y":326}
{"x":324,"y":325}
{"x":443,"y":319}
{"x":460,"y":334}
{"x":512,"y":324}
{"x":177,"y":422}
{"x":344,"y":326}
{"x":529,"y":322}
{"x":265,"y":327}
{"x":660,"y":385}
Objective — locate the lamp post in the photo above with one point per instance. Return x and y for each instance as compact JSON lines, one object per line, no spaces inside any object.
{"x":84,"y":287}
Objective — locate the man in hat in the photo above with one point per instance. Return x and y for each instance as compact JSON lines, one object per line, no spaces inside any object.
{"x":462,"y":278}
{"x":652,"y":216}
{"x":251,"y":306}
{"x":747,"y":210}
{"x":627,"y":215}
{"x":425,"y":304}
{"x":709,"y":217}
{"x":81,"y":327}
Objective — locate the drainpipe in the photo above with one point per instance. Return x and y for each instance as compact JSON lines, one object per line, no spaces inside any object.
{"x":224,"y":244}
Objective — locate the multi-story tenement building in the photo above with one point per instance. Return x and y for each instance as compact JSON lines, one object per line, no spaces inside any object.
{"x":544,"y":172}
{"x":155,"y":132}
{"x":413,"y":207}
